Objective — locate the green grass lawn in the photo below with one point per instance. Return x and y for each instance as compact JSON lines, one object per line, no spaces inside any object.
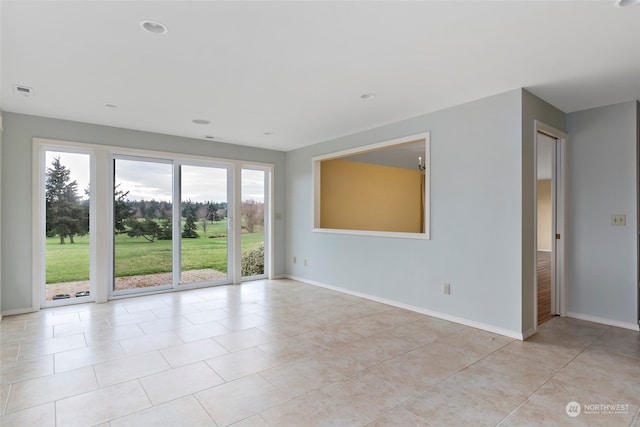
{"x":136,"y":256}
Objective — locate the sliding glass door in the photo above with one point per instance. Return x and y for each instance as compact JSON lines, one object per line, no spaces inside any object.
{"x":114,"y":222}
{"x":204,"y":231}
{"x":143,"y":229}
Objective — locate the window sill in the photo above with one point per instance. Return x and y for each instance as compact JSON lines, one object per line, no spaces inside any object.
{"x":388,"y":234}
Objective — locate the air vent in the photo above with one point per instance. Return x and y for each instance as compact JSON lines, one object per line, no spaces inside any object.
{"x":25,"y":91}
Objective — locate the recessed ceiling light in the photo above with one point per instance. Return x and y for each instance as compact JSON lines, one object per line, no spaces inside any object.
{"x":269,"y":133}
{"x":154,"y":27}
{"x":209,"y":137}
{"x":111,"y":105}
{"x":625,"y":3}
{"x":201,"y":121}
{"x":367,"y":96}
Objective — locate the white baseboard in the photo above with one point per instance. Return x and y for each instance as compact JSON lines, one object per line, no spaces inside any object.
{"x":529,"y":333}
{"x":544,"y":250}
{"x":603,"y":321}
{"x":478,"y":325}
{"x":18,"y":311}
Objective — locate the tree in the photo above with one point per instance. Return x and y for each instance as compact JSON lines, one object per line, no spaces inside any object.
{"x":166,"y":231}
{"x":190,"y":227}
{"x":253,"y":214}
{"x":203,"y":216}
{"x":66,"y":216}
{"x":122,"y":210}
{"x":147,"y":228}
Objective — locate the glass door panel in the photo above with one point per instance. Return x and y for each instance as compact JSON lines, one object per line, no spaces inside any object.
{"x":67,"y":236}
{"x":204,"y":232}
{"x":143,"y":204}
{"x":253,"y":224}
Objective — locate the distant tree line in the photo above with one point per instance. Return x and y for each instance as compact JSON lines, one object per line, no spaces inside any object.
{"x":151,"y":219}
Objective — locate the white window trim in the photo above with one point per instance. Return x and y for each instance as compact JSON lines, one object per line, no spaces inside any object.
{"x":102,"y":213}
{"x":316,"y":161}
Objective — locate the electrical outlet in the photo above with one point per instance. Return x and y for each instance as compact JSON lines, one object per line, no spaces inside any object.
{"x":618,"y":219}
{"x":295,"y":259}
{"x":447,"y":289}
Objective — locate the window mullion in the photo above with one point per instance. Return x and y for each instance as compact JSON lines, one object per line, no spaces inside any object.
{"x":176,"y":222}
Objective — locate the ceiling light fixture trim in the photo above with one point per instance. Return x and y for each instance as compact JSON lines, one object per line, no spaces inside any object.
{"x":367,"y":96}
{"x":627,"y":3}
{"x":154,"y":27}
{"x":201,"y":121}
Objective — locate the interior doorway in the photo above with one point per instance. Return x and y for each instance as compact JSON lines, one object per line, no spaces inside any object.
{"x":544,"y":225}
{"x":550,"y":223}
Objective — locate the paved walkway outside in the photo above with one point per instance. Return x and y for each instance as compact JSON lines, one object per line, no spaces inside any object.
{"x":132,"y":282}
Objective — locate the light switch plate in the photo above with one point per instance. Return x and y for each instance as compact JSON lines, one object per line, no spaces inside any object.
{"x":618,"y":219}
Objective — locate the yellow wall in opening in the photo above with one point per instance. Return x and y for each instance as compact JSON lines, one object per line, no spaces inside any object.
{"x":362,"y":196}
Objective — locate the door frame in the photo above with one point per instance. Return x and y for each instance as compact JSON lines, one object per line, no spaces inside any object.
{"x":559,"y":220}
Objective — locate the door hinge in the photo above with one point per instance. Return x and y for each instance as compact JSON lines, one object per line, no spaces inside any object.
{"x":557,"y":237}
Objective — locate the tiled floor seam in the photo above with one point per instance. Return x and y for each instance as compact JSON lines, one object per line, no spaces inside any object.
{"x":636,"y":419}
{"x":202,"y":406}
{"x":6,"y":402}
{"x":542,"y":385}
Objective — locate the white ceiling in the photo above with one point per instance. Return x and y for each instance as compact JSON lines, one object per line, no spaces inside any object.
{"x":298,"y":69}
{"x":403,"y":156}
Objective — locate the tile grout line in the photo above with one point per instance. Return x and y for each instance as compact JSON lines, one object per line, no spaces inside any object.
{"x":444,"y":379}
{"x":5,"y":404}
{"x":547,"y":381}
{"x":636,"y":418}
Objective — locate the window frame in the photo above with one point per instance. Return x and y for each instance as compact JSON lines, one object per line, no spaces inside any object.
{"x":39,"y":298}
{"x":316,"y":180}
{"x":101,"y":212}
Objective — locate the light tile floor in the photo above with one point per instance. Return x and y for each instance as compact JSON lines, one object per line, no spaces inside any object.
{"x":283,"y":353}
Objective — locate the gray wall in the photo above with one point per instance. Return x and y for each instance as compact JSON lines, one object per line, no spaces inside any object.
{"x":17,"y":174}
{"x":476,"y":221}
{"x":602,"y":265}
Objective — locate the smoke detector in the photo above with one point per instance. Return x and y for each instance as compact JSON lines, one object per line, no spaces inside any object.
{"x":25,"y":91}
